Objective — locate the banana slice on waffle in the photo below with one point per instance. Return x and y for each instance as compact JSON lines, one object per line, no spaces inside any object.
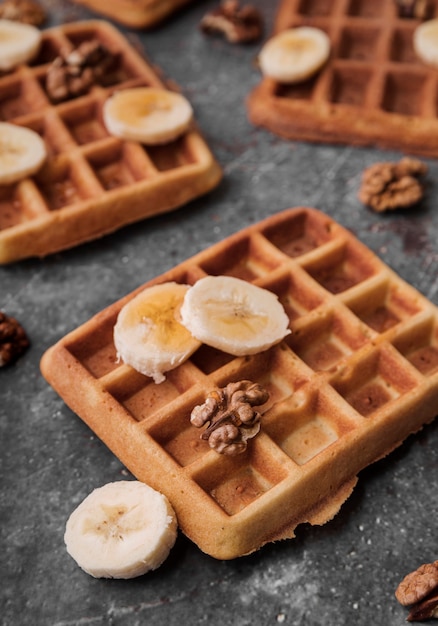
{"x":147,"y":114}
{"x":121,"y":530}
{"x":425,"y":42}
{"x":233,"y":315}
{"x":19,"y":43}
{"x":295,"y":54}
{"x":148,"y":334}
{"x":165,"y":324}
{"x":22,"y":152}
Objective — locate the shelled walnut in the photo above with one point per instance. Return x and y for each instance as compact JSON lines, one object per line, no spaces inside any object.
{"x":414,"y":9}
{"x":237,"y":24}
{"x":74,"y":72}
{"x":25,"y":11}
{"x":13,"y":340}
{"x":231,"y":417}
{"x":389,"y":186}
{"x":419,"y":589}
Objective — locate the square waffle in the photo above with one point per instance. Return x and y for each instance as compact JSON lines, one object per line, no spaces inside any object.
{"x":372,"y":91}
{"x":356,"y":376}
{"x":135,"y":13}
{"x":92,"y":183}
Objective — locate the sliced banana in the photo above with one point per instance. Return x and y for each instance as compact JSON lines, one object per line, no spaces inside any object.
{"x":233,"y":315}
{"x":19,"y":43}
{"x":147,"y":114}
{"x":121,"y":530}
{"x":148,"y":334}
{"x":294,"y":54}
{"x":22,"y":152}
{"x":425,"y":42}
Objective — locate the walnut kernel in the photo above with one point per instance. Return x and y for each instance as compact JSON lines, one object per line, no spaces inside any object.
{"x":425,"y":610}
{"x":388,"y":186}
{"x":237,"y":24}
{"x":25,"y":11}
{"x":230,"y":416}
{"x":74,"y":72}
{"x":413,"y":9}
{"x":418,"y":584}
{"x":13,"y":340}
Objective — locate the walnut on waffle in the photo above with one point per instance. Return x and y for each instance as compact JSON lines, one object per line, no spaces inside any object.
{"x":357,"y":374}
{"x":374,"y":90}
{"x":92,"y":183}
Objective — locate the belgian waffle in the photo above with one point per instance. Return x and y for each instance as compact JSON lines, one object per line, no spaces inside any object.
{"x":92,"y":183}
{"x":373,"y":90}
{"x":135,"y":13}
{"x":356,"y":376}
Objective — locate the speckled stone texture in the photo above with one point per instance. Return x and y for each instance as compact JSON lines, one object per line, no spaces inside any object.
{"x":342,"y":573}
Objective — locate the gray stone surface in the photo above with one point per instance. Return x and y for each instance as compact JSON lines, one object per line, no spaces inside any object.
{"x":342,"y":573}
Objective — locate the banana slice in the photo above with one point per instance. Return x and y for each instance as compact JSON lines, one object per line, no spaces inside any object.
{"x":148,"y":115}
{"x":294,"y":54}
{"x":148,"y":334}
{"x":233,"y":315}
{"x":22,"y":152}
{"x":18,"y":43}
{"x":121,"y":530}
{"x":425,"y":42}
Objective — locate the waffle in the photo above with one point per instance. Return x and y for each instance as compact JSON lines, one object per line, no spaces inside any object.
{"x":135,"y":13}
{"x":92,"y":183}
{"x":356,"y":376}
{"x":373,"y":90}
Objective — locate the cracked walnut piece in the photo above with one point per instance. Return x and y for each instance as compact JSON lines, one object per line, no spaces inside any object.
{"x":73,"y":73}
{"x":231,"y":417}
{"x":389,"y":186}
{"x":425,"y":610}
{"x":13,"y":340}
{"x":420,"y":589}
{"x":237,"y":25}
{"x":25,"y":11}
{"x":413,"y":9}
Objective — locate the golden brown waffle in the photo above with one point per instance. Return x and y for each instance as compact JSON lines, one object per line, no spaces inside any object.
{"x":373,"y":90}
{"x":92,"y":183}
{"x":135,"y":13}
{"x":356,"y":376}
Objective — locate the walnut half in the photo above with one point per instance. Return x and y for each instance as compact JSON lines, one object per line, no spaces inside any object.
{"x":413,"y":9}
{"x":13,"y":340}
{"x":387,"y":186}
{"x":230,"y":415}
{"x":25,"y":11}
{"x":74,"y":72}
{"x":425,"y":610}
{"x":237,"y":24}
{"x":419,"y":589}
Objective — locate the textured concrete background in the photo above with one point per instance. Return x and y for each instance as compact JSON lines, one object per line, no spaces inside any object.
{"x":342,"y":573}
